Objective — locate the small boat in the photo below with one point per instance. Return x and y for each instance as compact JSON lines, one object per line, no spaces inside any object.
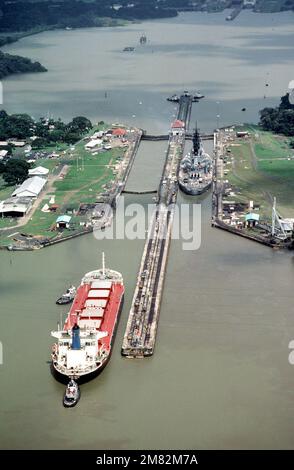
{"x":72,"y":394}
{"x":67,"y":297}
{"x":173,"y":98}
{"x":128,"y":49}
{"x":198,"y":96}
{"x":143,"y":39}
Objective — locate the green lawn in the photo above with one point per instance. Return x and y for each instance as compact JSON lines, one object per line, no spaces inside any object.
{"x":84,"y":181}
{"x":262,"y":171}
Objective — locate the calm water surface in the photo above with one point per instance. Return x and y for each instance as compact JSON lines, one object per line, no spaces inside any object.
{"x":220,"y":376}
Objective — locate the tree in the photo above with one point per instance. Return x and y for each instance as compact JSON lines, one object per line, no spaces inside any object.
{"x":71,"y":137}
{"x":80,"y":123}
{"x":285,"y":103}
{"x":39,"y":143}
{"x":279,"y":120}
{"x":15,"y":171}
{"x":18,"y":126}
{"x":57,"y":135}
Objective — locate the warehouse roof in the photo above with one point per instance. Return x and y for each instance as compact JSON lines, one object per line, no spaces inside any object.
{"x":30,"y":187}
{"x":39,"y":170}
{"x":63,"y":218}
{"x":252,"y":216}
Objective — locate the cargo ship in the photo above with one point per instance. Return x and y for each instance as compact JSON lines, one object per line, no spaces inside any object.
{"x":195,"y":173}
{"x":84,"y":345}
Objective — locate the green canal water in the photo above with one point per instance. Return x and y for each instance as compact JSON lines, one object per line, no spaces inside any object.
{"x":220,"y":376}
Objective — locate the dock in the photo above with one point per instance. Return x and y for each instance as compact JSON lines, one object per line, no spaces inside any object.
{"x":140,"y":335}
{"x":218,"y":190}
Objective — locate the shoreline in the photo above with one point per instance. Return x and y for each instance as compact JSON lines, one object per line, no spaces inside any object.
{"x":11,"y":37}
{"x":119,"y":185}
{"x":15,"y":36}
{"x":220,"y":189}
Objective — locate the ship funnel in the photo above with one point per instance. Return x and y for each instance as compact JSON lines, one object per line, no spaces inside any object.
{"x":76,"y":340}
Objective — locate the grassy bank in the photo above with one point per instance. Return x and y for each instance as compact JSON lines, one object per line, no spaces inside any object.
{"x":76,"y":177}
{"x":261,"y":167}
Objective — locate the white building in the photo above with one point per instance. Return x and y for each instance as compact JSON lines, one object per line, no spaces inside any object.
{"x":17,"y":143}
{"x":3,"y":154}
{"x":15,"y":207}
{"x":178,"y":127}
{"x":30,"y":187}
{"x":39,"y":171}
{"x":93,"y":144}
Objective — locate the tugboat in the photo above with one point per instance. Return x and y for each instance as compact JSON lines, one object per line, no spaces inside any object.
{"x":143,"y":39}
{"x":197,"y":97}
{"x":71,"y":395}
{"x":67,"y":297}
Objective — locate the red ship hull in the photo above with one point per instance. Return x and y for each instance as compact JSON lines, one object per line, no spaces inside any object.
{"x":97,"y":307}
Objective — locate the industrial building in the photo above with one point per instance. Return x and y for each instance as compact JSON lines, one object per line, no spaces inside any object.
{"x":15,"y":206}
{"x":31,"y":187}
{"x":39,"y":171}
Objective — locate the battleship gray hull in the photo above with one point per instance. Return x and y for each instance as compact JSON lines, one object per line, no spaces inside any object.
{"x":187,"y":188}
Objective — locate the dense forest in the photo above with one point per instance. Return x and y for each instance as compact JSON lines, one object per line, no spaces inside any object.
{"x":11,"y":64}
{"x":279,"y":119}
{"x":44,"y":131}
{"x":27,"y":15}
{"x":23,"y":16}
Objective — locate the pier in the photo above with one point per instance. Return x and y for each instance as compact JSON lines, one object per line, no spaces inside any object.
{"x":140,"y":335}
{"x":218,"y":204}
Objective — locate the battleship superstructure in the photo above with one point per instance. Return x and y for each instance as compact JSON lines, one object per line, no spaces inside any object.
{"x":195,"y":174}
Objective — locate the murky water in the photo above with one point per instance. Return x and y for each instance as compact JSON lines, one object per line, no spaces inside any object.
{"x":220,"y":376}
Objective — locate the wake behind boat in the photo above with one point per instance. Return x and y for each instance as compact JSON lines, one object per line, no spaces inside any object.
{"x":195,"y":174}
{"x":84,"y":345}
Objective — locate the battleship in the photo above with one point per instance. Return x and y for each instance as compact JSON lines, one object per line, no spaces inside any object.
{"x":195,"y":174}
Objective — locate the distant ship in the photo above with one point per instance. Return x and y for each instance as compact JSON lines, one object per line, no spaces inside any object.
{"x":195,"y":174}
{"x":143,"y":39}
{"x":173,"y":98}
{"x":84,"y":345}
{"x":195,"y":98}
{"x":128,"y":49}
